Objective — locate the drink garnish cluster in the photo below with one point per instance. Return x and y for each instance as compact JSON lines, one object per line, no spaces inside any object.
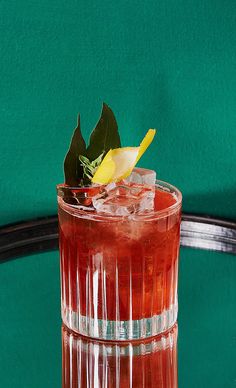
{"x":103,"y":161}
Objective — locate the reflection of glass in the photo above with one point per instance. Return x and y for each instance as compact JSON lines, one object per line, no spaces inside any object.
{"x":119,"y":274}
{"x":88,"y":363}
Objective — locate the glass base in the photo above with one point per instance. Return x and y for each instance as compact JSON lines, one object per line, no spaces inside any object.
{"x":120,"y":330}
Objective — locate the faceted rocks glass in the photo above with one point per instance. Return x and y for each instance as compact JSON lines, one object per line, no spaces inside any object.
{"x":119,"y":273}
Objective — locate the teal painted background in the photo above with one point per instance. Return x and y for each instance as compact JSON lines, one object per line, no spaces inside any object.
{"x":164,"y":64}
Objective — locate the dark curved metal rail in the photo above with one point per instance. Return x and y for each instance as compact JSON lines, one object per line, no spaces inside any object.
{"x":40,"y":235}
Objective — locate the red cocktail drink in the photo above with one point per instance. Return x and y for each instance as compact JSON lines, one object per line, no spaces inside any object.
{"x":147,"y":363}
{"x":119,"y":273}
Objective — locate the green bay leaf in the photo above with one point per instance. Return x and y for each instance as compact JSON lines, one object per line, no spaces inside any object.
{"x":104,"y":136}
{"x":73,"y":170}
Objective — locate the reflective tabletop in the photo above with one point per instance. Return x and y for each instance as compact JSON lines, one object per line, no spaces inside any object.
{"x":201,"y":350}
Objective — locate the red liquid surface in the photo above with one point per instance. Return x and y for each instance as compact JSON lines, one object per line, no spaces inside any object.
{"x":149,"y":364}
{"x":120,"y":269}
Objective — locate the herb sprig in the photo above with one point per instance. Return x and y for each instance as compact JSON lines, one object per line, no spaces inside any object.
{"x":90,"y":167}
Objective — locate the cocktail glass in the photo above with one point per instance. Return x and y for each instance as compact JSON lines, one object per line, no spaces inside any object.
{"x":119,"y":274}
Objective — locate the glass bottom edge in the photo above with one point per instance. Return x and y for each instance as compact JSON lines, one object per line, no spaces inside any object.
{"x":120,"y":330}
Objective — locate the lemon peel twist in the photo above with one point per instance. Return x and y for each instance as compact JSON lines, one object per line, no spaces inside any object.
{"x":119,"y":162}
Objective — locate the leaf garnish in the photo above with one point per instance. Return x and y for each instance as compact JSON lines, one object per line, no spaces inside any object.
{"x":72,"y":167}
{"x":80,"y":164}
{"x":104,"y":136}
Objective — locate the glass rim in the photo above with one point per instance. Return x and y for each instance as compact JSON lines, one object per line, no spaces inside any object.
{"x":165,"y":186}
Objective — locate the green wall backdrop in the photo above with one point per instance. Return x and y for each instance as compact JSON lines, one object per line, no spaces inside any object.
{"x":164,"y":64}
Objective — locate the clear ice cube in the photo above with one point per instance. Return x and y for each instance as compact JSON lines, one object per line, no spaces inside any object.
{"x":142,"y":176}
{"x":123,"y":199}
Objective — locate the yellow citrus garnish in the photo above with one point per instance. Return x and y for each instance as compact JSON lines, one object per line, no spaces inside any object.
{"x":119,"y":162}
